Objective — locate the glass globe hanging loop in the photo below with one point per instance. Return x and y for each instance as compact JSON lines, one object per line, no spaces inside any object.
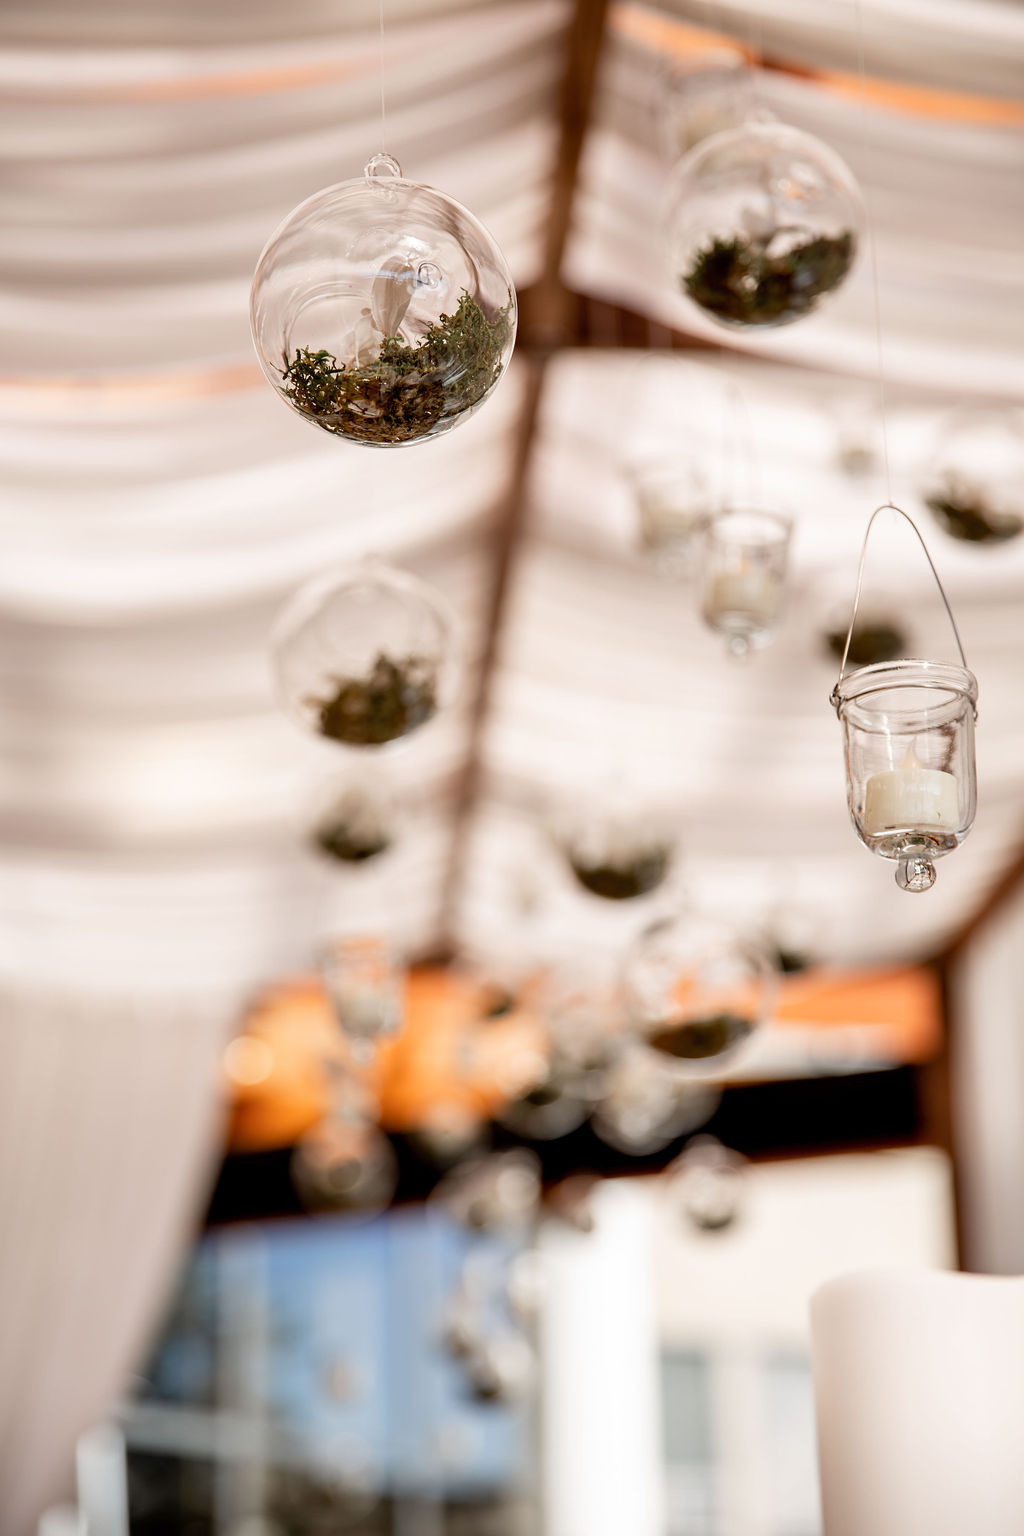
{"x":365,"y":655}
{"x":908,"y":741}
{"x":763,"y":223}
{"x":695,"y":992}
{"x":382,"y":310}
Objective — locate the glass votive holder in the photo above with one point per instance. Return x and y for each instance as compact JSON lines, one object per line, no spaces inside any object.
{"x":744,"y":575}
{"x":911,"y":780}
{"x":673,"y":505}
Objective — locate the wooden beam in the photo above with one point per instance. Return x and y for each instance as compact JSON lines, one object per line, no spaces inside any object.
{"x":545,"y":323}
{"x":1002,"y":893}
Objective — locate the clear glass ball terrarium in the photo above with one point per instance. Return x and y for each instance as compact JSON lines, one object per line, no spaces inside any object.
{"x":615,"y":847}
{"x":382,"y":310}
{"x":745,"y":555}
{"x":696,"y":993}
{"x":974,"y":484}
{"x":908,"y":740}
{"x":364,"y":656}
{"x":763,"y":224}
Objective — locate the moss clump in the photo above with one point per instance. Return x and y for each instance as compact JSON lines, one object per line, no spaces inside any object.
{"x":701,"y":1039}
{"x":408,"y":390}
{"x":393,"y":699}
{"x":349,"y":844}
{"x":768,"y":280}
{"x":621,"y":881}
{"x":965,"y":515}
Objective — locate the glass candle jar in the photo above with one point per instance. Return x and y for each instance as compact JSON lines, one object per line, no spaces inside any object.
{"x":743,"y":578}
{"x":673,"y":505}
{"x":365,"y":982}
{"x":908,"y":740}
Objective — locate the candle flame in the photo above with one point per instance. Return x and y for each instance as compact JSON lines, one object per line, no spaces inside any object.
{"x":911,"y":761}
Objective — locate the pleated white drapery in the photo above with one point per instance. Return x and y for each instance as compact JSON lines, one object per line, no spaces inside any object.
{"x":108,"y":1117}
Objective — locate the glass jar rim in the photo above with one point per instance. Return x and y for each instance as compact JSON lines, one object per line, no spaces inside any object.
{"x":775,"y":527}
{"x":912,"y":672}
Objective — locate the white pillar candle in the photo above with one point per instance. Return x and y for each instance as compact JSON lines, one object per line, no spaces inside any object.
{"x":919,"y":1390}
{"x":911,"y":796}
{"x":746,"y":590}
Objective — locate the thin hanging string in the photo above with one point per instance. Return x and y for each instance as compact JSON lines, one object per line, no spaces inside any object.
{"x":383,"y":113}
{"x":889,"y":506}
{"x":873,"y":256}
{"x":737,"y":443}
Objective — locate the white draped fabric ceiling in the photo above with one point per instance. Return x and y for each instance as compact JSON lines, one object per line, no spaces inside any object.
{"x":158,"y":505}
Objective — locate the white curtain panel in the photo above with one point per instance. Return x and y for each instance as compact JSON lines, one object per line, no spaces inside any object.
{"x":108,"y":1122}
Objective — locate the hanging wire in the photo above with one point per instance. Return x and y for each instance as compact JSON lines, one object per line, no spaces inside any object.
{"x":738,"y":443}
{"x":889,"y":506}
{"x":873,"y":255}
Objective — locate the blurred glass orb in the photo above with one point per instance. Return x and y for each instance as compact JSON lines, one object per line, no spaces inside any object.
{"x":365,"y":982}
{"x":364,"y":656}
{"x":974,"y":484}
{"x":550,"y":1108}
{"x":615,"y":846}
{"x":696,"y":992}
{"x":582,"y":1029}
{"x":707,"y":1183}
{"x":355,"y":823}
{"x":382,"y":310}
{"x":525,"y":1285}
{"x":500,"y":1369}
{"x":449,"y":1130}
{"x":500,"y":1190}
{"x":646,"y":1105}
{"x":763,"y":223}
{"x":345,"y":1165}
{"x":571,"y":1201}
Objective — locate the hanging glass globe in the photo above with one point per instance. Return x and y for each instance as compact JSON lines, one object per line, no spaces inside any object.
{"x":908,"y":739}
{"x":743,"y":577}
{"x":500,"y":1368}
{"x":345,"y":1164}
{"x":974,"y":485}
{"x":646,"y":1104}
{"x":382,"y":310}
{"x":614,"y":845}
{"x":498,"y":1191}
{"x":355,"y":824}
{"x":707,"y":1182}
{"x":763,"y":223}
{"x":364,"y":656}
{"x":695,"y":992}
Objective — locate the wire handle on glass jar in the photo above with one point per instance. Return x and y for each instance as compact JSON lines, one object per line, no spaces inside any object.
{"x":888,"y":506}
